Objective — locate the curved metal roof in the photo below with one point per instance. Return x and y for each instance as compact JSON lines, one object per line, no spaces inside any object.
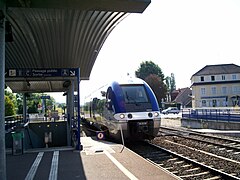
{"x":61,"y":34}
{"x":58,"y":38}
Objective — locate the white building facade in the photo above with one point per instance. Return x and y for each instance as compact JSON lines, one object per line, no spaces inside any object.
{"x":216,"y":86}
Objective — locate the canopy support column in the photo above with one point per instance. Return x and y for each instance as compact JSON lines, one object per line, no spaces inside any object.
{"x":70,"y":110}
{"x":79,"y":146}
{"x":2,"y":87}
{"x":24,"y":107}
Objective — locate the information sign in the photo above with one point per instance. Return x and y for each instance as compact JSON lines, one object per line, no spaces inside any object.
{"x":45,"y":97}
{"x":66,"y":72}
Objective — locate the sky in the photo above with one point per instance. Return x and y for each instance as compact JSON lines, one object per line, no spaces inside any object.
{"x":180,"y":36}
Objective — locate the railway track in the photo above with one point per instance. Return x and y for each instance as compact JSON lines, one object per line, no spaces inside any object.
{"x":182,"y":166}
{"x":225,"y":147}
{"x":230,"y":141}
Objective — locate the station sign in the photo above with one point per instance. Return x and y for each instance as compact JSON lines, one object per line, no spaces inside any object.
{"x":55,"y":72}
{"x":45,"y":97}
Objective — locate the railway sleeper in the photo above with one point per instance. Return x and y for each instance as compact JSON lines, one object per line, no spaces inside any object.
{"x":168,"y":168}
{"x":194,"y":175}
{"x":214,"y":178}
{"x":179,"y":162}
{"x":193,"y":169}
{"x":186,"y":166}
{"x":173,"y":159}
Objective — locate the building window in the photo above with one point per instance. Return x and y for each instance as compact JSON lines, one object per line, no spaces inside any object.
{"x":224,"y":90}
{"x":214,"y":103}
{"x":235,"y":89}
{"x":225,"y":103}
{"x":234,"y":76}
{"x":223,"y":77}
{"x":202,"y":78}
{"x":214,"y":90}
{"x":203,"y":91}
{"x":204,"y":103}
{"x":212,"y":78}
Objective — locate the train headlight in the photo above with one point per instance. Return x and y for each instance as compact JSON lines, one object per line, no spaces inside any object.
{"x":150,"y":115}
{"x":156,"y":114}
{"x":130,"y":116}
{"x":122,"y":116}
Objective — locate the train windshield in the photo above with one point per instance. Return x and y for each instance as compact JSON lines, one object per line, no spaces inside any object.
{"x":135,"y":94}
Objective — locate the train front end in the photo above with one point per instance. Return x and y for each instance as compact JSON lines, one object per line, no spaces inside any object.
{"x":136,"y":110}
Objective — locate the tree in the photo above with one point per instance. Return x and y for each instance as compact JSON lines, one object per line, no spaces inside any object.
{"x":9,"y":106}
{"x":33,"y":100}
{"x":148,"y":67}
{"x":19,"y":97}
{"x":153,"y":75}
{"x":158,"y":87}
{"x":171,"y":83}
{"x":100,"y":105}
{"x":10,"y":102}
{"x":12,"y":97}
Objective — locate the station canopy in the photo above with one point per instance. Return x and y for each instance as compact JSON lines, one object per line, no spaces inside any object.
{"x":56,"y":35}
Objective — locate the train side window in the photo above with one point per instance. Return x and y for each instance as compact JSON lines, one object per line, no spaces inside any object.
{"x":109,"y":105}
{"x":108,"y":99}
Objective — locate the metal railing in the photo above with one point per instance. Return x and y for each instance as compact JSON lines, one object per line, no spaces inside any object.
{"x":13,"y":121}
{"x":214,"y":114}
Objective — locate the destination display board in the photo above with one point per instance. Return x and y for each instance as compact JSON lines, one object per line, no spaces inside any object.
{"x":57,"y":72}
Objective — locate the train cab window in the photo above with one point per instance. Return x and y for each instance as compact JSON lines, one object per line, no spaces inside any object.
{"x":135,"y":94}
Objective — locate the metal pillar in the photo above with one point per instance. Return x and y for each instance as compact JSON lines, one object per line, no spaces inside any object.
{"x":44,"y":108}
{"x":79,"y":146}
{"x":70,"y":111}
{"x":2,"y":87}
{"x":68,"y":118}
{"x":24,"y":107}
{"x":71,"y":100}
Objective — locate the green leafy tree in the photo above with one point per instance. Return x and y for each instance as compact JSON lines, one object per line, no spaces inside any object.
{"x":171,"y":83}
{"x":9,"y":106}
{"x":148,"y":67}
{"x":100,"y":105}
{"x":50,"y":103}
{"x":19,"y":106}
{"x":61,"y":105}
{"x":153,"y":75}
{"x":158,"y":87}
{"x":10,"y":102}
{"x":33,"y":99}
{"x":168,"y":83}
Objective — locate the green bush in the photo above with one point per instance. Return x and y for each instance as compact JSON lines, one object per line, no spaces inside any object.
{"x":9,"y":107}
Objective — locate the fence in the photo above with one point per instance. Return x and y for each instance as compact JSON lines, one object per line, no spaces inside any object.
{"x":13,"y":121}
{"x":215,"y":114}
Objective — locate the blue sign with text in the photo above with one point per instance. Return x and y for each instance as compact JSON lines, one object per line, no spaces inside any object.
{"x":45,"y":97}
{"x":66,"y":72}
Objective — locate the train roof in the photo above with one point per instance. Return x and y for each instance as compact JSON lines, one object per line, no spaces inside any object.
{"x":130,"y":80}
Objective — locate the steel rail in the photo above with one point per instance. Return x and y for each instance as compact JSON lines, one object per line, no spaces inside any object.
{"x":200,"y":134}
{"x":209,"y":142}
{"x":211,"y":169}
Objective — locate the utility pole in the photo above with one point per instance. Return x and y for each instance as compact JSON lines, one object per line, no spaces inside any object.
{"x":2,"y":87}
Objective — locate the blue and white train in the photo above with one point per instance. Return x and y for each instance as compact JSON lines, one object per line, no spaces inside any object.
{"x":126,"y":109}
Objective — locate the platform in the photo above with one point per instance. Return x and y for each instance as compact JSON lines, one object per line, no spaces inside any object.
{"x":97,"y":160}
